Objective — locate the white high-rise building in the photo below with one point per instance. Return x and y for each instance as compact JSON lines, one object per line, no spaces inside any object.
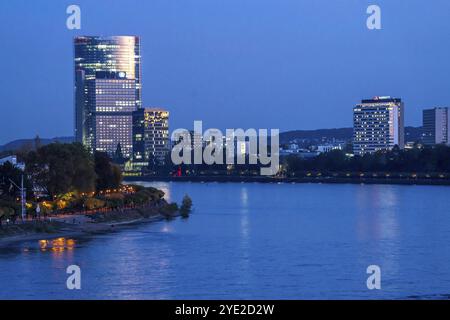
{"x":436,"y":123}
{"x":378,"y":125}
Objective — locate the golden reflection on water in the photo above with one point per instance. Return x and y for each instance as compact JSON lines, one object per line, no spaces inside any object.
{"x":58,"y":245}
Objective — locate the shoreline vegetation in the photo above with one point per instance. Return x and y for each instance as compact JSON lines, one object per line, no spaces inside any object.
{"x":424,"y":165}
{"x":80,"y":224}
{"x":65,"y":189}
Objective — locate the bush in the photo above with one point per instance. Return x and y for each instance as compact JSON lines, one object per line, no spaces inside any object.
{"x":186,"y":206}
{"x":6,"y":213}
{"x":169,"y":209}
{"x":93,"y":203}
{"x":143,"y":196}
{"x":114,"y":203}
{"x":11,"y":205}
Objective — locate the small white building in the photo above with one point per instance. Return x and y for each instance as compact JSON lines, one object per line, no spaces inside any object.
{"x":328,"y":148}
{"x":13,"y":160}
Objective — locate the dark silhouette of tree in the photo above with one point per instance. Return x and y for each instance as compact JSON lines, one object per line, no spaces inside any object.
{"x":118,"y":155}
{"x":9,"y":172}
{"x":60,"y":168}
{"x":186,"y":206}
{"x":434,"y":159}
{"x":109,"y":176}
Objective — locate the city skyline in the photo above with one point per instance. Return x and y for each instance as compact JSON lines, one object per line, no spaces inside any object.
{"x":197,"y":76}
{"x":220,"y":159}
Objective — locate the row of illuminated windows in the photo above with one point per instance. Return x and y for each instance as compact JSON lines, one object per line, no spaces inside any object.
{"x":115,"y":90}
{"x":115,"y":103}
{"x":112,"y":92}
{"x":113,"y":109}
{"x":113,"y":127}
{"x":115,"y":83}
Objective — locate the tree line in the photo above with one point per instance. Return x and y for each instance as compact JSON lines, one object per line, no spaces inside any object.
{"x":57,"y":168}
{"x":417,"y":160}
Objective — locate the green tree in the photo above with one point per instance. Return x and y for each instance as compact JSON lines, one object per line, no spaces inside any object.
{"x":434,"y":159}
{"x":9,"y":172}
{"x":109,"y":176}
{"x":60,"y":168}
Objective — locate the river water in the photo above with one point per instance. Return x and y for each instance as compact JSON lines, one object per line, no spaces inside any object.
{"x":254,"y":241}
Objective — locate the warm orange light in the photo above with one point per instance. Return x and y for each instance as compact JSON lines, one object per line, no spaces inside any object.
{"x":43,"y":244}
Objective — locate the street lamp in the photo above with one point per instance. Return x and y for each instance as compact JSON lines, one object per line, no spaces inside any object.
{"x":22,"y":196}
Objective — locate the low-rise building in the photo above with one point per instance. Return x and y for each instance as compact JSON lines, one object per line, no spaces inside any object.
{"x":13,"y":160}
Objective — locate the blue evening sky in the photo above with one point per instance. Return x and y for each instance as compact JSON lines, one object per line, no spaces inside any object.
{"x":287,"y":64}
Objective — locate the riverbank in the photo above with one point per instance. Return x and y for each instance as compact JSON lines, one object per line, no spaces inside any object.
{"x":266,"y":179}
{"x":80,"y":225}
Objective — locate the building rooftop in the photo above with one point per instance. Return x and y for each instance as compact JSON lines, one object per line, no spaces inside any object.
{"x":381,"y":100}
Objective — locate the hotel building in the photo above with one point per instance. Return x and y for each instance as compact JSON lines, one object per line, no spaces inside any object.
{"x":378,"y":125}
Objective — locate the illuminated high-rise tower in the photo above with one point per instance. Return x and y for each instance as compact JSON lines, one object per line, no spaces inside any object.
{"x":107,"y":91}
{"x":150,"y":136}
{"x":378,"y":125}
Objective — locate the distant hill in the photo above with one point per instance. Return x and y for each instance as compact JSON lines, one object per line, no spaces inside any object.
{"x":411,"y":134}
{"x":319,"y":134}
{"x":22,"y":143}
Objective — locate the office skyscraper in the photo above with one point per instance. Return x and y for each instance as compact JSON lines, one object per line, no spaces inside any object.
{"x":150,"y":136}
{"x":113,"y":99}
{"x":107,"y":91}
{"x":378,"y":124}
{"x":436,"y":124}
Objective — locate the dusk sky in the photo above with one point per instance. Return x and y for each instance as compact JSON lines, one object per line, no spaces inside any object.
{"x":287,"y":64}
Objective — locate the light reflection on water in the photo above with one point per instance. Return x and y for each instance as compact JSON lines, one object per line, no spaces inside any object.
{"x":267,"y":241}
{"x":57,"y":246}
{"x":379,"y":219}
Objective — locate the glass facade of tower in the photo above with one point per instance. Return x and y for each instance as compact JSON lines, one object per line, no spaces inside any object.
{"x":436,"y":126}
{"x":150,"y":136}
{"x":378,"y":125}
{"x":107,"y":91}
{"x":112,"y":97}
